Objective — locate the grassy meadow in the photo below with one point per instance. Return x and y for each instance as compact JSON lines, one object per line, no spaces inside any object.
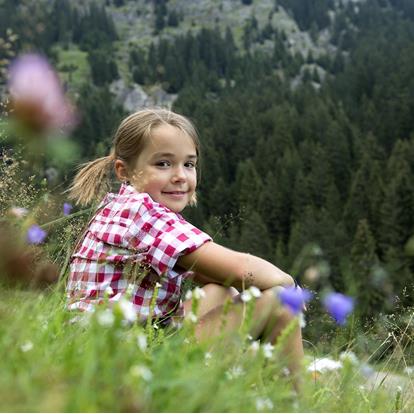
{"x":98,"y":363}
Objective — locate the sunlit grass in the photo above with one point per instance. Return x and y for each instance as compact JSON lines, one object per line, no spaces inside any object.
{"x":52,"y":364}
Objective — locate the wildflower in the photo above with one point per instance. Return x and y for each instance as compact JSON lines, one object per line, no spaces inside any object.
{"x":142,"y":342}
{"x":157,"y":285}
{"x":207,"y":357}
{"x":18,"y":212}
{"x":198,"y":293}
{"x":409,"y":370}
{"x":109,"y":291}
{"x":349,"y":356}
{"x":127,"y":310}
{"x":191,"y":317}
{"x":255,"y":292}
{"x":268,"y":350}
{"x":35,"y":235}
{"x":234,"y":372}
{"x":141,"y":371}
{"x":294,"y":298}
{"x":254,"y":347}
{"x":67,"y":208}
{"x":27,"y":346}
{"x":324,"y":364}
{"x":246,"y":296}
{"x":37,"y":96}
{"x":188,"y":295}
{"x":263,"y":404}
{"x":106,"y":318}
{"x":339,"y":306}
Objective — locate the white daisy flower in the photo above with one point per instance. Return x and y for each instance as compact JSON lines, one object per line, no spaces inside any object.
{"x":207,"y":357}
{"x":109,"y":291}
{"x":268,"y":350}
{"x":246,"y":296}
{"x":254,"y":347}
{"x":141,"y":371}
{"x":26,"y":346}
{"x":234,"y":372}
{"x":142,"y":342}
{"x":324,"y":365}
{"x":349,"y":356}
{"x":264,"y":404}
{"x":188,"y":295}
{"x":128,"y":310}
{"x":106,"y":318}
{"x":256,"y":293}
{"x":198,"y":293}
{"x":191,"y":317}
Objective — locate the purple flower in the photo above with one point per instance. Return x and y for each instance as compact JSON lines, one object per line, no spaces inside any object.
{"x":339,"y":306}
{"x":67,"y":208}
{"x":294,"y":298}
{"x":35,"y":235}
{"x":37,"y":96}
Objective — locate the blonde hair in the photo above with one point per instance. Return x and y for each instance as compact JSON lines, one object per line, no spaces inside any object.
{"x":93,"y":177}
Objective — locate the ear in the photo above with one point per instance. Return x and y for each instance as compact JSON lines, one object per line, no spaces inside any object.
{"x":121,"y":170}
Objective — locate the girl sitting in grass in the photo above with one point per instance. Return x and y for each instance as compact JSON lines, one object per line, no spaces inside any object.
{"x":138,"y":239}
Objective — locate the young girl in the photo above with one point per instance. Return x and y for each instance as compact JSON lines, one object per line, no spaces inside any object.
{"x":138,"y":238}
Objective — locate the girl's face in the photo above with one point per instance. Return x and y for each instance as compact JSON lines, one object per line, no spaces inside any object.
{"x":166,"y":168}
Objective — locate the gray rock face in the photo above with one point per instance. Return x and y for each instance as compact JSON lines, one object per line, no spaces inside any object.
{"x":133,"y":97}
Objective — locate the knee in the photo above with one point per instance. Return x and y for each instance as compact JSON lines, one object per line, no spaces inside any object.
{"x":214,"y":289}
{"x":272,"y":302}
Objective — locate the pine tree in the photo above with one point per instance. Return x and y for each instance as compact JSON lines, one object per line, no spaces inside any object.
{"x":364,"y":282}
{"x":254,"y":237}
{"x":248,"y":185}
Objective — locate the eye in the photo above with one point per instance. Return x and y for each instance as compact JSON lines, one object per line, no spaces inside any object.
{"x":162,"y":164}
{"x":190,"y":164}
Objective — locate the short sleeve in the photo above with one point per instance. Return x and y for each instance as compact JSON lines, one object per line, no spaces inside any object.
{"x":168,"y":236}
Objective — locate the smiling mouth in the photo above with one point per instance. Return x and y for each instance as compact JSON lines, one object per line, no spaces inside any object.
{"x":175,"y":192}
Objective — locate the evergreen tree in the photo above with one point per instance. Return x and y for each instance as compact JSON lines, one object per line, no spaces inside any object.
{"x":397,"y":222}
{"x":103,"y":69}
{"x":254,"y":237}
{"x":365,"y":284}
{"x":248,"y":185}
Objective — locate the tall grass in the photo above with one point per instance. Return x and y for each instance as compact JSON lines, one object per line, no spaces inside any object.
{"x":52,"y":363}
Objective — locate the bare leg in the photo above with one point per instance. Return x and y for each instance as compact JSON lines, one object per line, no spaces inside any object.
{"x":270,"y":320}
{"x":215,"y":296}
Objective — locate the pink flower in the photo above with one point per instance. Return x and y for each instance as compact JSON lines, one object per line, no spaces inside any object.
{"x":37,"y":97}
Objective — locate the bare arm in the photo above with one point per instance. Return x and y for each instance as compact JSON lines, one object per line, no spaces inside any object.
{"x":229,"y":267}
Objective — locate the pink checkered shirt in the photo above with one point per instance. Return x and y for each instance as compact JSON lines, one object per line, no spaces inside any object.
{"x":132,"y":241}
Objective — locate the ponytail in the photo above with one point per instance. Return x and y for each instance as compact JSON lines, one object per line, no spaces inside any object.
{"x":91,"y":180}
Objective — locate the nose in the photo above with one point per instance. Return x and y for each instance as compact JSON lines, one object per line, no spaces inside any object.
{"x":179,"y":174}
